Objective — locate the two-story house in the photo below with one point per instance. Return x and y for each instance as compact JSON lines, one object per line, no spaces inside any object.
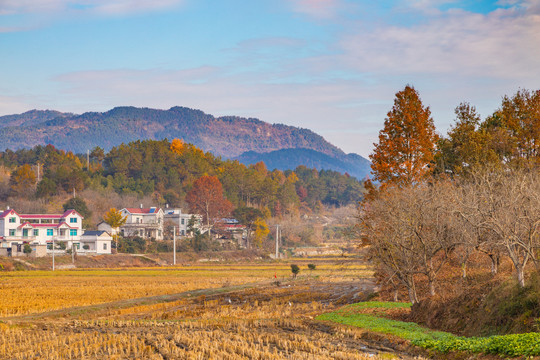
{"x":144,"y":222}
{"x":181,"y":220}
{"x":43,"y":229}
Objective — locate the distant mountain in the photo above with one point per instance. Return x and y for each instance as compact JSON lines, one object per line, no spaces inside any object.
{"x":284,"y":159}
{"x":227,"y":136}
{"x":30,"y":118}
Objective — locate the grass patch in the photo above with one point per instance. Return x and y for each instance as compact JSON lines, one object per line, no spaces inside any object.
{"x":509,"y":345}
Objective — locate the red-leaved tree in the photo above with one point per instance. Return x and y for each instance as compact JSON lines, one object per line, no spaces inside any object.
{"x":206,"y":199}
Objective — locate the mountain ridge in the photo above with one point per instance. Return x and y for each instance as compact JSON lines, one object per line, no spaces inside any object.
{"x":226,"y":136}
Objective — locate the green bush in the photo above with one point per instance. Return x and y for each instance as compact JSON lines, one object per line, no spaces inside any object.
{"x":527,"y":344}
{"x":295,"y":270}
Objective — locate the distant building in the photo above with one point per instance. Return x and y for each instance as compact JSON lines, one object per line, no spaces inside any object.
{"x":97,"y":241}
{"x":40,"y":230}
{"x":228,"y":228}
{"x":144,"y":222}
{"x":181,"y":220}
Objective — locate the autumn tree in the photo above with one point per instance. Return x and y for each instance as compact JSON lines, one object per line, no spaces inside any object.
{"x":177,"y":146}
{"x":468,"y":146}
{"x":412,"y":232}
{"x":115,"y":219}
{"x":22,"y":180}
{"x":507,"y":207}
{"x":515,"y":128}
{"x":248,"y":216}
{"x":206,"y":199}
{"x":261,"y":231}
{"x":406,"y":143}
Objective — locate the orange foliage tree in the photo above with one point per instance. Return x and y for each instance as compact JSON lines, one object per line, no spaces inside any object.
{"x":206,"y":199}
{"x":177,"y":146}
{"x":22,"y":180}
{"x":406,"y":143}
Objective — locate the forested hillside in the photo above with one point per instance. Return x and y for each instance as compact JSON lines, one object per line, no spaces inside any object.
{"x":228,"y":136}
{"x":166,"y":171}
{"x":283,"y":159}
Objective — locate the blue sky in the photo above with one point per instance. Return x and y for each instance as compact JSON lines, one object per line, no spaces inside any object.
{"x":332,"y":66}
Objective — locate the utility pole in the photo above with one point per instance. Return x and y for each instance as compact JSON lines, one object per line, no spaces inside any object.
{"x":174,"y":245}
{"x":53,"y":254}
{"x":38,"y":173}
{"x":73,"y":192}
{"x":277,"y":242}
{"x":87,"y":160}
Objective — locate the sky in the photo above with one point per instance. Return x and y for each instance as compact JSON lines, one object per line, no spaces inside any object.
{"x":332,"y":66}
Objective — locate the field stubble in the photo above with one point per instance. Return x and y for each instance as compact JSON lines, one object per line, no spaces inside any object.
{"x":257,"y":322}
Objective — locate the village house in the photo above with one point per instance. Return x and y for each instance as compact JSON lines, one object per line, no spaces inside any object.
{"x":41,"y":231}
{"x":144,"y":222}
{"x":180,"y":220}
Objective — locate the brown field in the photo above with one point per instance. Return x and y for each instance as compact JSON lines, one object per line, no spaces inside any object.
{"x":204,"y":312}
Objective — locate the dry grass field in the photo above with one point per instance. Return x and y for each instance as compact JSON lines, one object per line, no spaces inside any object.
{"x":192,"y":312}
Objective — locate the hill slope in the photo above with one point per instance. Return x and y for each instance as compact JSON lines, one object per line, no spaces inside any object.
{"x":284,"y":159}
{"x":227,"y":136}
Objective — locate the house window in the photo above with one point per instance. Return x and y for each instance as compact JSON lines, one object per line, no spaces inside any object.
{"x":49,"y":246}
{"x":36,"y":232}
{"x":73,"y":220}
{"x":49,"y":232}
{"x":183,"y":222}
{"x":77,"y":246}
{"x":73,"y":232}
{"x":12,"y":220}
{"x":104,"y":246}
{"x":11,"y":232}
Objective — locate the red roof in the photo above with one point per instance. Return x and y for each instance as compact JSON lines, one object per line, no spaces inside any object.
{"x":142,"y":211}
{"x":40,"y":216}
{"x":57,"y":225}
{"x":7,"y":212}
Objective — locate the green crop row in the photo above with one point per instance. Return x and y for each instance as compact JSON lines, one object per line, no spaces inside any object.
{"x":510,"y":345}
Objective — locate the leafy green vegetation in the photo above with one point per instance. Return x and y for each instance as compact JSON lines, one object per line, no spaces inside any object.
{"x":527,"y":344}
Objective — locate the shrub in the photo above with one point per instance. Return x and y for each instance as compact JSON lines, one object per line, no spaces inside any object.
{"x":295,"y":270}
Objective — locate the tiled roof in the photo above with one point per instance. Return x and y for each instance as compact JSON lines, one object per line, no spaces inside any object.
{"x":7,"y":212}
{"x":94,"y":233}
{"x":46,"y":225}
{"x":142,"y":211}
{"x":40,"y":216}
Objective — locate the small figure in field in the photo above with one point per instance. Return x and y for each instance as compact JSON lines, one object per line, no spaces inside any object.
{"x":295,"y":270}
{"x":276,"y":281}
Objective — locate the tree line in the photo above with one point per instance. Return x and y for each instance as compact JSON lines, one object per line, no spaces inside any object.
{"x":168,"y":171}
{"x":474,"y":191}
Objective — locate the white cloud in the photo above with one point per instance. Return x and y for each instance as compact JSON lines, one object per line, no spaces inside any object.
{"x":501,"y":44}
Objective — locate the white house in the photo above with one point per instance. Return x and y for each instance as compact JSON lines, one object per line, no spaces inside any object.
{"x":97,"y":241}
{"x":181,"y":220}
{"x":40,"y":229}
{"x":143,"y":222}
